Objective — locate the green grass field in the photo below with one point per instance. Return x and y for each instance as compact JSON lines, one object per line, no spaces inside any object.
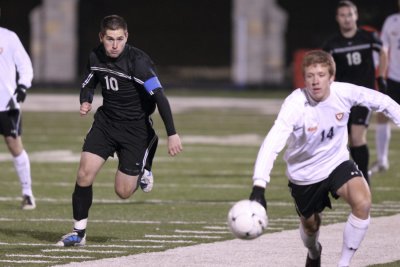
{"x":188,"y":205}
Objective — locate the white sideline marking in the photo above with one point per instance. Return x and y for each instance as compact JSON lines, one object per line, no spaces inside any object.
{"x":49,"y":257}
{"x":156,"y":241}
{"x":80,"y":250}
{"x":185,"y":236}
{"x":91,"y":246}
{"x":200,"y":232}
{"x":27,"y":261}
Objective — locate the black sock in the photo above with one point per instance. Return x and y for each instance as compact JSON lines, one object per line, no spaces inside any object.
{"x":81,"y":202}
{"x":360,"y":155}
{"x":81,"y":233}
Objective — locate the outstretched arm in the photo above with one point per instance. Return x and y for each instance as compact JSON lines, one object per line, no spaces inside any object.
{"x":174,"y":141}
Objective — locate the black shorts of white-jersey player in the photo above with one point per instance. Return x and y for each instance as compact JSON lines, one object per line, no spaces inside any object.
{"x":122,"y":124}
{"x":353,"y":50}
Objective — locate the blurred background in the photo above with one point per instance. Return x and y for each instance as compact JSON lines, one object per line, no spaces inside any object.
{"x":227,"y":43}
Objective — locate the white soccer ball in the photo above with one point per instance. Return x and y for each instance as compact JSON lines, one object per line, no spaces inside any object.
{"x":247,"y":219}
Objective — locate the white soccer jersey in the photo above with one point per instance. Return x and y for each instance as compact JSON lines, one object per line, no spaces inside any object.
{"x":13,"y":58}
{"x":391,"y":42}
{"x":316,"y":133}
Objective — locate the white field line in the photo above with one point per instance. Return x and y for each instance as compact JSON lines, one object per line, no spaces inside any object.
{"x":70,"y":102}
{"x":157,"y":241}
{"x":46,"y":256}
{"x":27,"y":261}
{"x":92,"y":246}
{"x":80,"y":250}
{"x":200,"y":232}
{"x":185,"y":236}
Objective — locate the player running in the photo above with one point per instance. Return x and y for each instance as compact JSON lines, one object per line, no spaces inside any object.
{"x":130,"y":90}
{"x":391,"y":45}
{"x":312,"y":123}
{"x":14,"y":59}
{"x":353,"y":51}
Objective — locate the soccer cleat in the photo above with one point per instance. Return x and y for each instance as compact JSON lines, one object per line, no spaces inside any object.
{"x":28,"y":202}
{"x":377,"y":167}
{"x":314,"y":262}
{"x":146,"y":181}
{"x":71,"y":240}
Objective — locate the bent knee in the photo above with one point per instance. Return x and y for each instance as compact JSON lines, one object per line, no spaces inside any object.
{"x":124,"y":194}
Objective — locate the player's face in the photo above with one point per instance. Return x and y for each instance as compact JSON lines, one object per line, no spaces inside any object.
{"x":114,"y":41}
{"x":346,"y":17}
{"x":318,"y":81}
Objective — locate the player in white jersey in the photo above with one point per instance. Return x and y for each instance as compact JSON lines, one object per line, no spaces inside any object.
{"x":312,"y":123}
{"x":14,"y":59}
{"x":390,"y":36}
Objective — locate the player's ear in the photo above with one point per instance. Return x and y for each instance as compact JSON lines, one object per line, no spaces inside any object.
{"x":126,"y":34}
{"x":101,"y":37}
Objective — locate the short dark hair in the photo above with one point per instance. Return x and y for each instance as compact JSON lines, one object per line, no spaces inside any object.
{"x":347,"y":3}
{"x":319,"y":57}
{"x":113,"y":22}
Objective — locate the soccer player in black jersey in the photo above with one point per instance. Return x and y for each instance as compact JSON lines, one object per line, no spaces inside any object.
{"x":353,"y":51}
{"x":122,"y":125}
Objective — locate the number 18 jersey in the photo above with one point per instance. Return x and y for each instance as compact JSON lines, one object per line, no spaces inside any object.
{"x":354,"y":57}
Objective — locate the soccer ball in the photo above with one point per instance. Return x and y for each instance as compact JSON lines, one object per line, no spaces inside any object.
{"x":247,"y":219}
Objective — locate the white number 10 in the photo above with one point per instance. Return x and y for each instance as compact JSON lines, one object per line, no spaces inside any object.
{"x":111,"y":83}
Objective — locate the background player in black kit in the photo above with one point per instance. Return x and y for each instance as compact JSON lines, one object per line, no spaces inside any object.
{"x":122,"y":125}
{"x":353,"y":51}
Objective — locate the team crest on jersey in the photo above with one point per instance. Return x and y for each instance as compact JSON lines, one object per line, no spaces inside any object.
{"x":1,"y":50}
{"x":339,"y":116}
{"x":312,"y":129}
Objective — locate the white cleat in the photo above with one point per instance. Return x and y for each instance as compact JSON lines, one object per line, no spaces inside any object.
{"x":28,"y":202}
{"x":72,"y":240}
{"x":377,"y":167}
{"x":146,"y":181}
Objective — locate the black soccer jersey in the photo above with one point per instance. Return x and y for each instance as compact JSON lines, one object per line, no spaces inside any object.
{"x":127,"y":83}
{"x":354,"y":57}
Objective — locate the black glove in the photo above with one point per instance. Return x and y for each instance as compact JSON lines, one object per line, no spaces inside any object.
{"x":382,"y":85}
{"x":20,"y":92}
{"x":258,"y":195}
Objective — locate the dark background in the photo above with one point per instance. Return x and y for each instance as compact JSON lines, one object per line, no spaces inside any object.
{"x":194,"y":33}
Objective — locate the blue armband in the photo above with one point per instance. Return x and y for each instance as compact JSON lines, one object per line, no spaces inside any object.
{"x":151,"y":84}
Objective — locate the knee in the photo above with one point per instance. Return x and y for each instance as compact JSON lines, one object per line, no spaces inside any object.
{"x":362,"y":209}
{"x":123,"y":193}
{"x":312,"y":224}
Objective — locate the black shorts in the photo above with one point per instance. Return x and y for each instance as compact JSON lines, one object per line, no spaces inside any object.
{"x":310,"y":199}
{"x":359,"y":116}
{"x":393,"y":90}
{"x":129,"y":140}
{"x":10,"y":123}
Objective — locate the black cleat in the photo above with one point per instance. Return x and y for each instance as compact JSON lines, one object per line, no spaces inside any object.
{"x":314,"y":262}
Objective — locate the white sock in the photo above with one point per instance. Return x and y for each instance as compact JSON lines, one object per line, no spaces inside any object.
{"x":310,"y":242}
{"x":81,"y":224}
{"x":23,"y":169}
{"x":354,"y":232}
{"x":382,"y":140}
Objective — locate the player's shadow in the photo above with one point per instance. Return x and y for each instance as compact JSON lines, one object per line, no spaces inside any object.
{"x":45,"y":236}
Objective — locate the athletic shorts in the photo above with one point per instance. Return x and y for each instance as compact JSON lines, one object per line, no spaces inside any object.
{"x":359,"y":116}
{"x":310,"y":199}
{"x":129,"y":140}
{"x":393,"y":90}
{"x":10,"y":123}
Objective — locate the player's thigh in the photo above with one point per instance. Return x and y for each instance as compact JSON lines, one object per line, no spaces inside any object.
{"x":357,"y":194}
{"x":90,"y":164}
{"x":125,"y":185}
